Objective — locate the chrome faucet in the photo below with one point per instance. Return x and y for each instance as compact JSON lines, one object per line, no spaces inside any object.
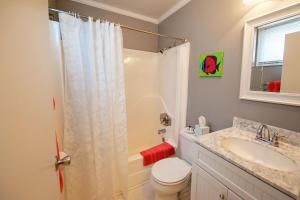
{"x":162,"y":132}
{"x":264,"y":134}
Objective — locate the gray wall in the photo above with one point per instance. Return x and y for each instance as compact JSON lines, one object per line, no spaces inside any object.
{"x":217,"y":25}
{"x":132,"y":39}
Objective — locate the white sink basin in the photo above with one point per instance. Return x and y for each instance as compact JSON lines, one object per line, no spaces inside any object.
{"x":259,"y":154}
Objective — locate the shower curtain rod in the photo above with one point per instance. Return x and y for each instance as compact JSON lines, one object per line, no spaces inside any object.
{"x":127,"y":27}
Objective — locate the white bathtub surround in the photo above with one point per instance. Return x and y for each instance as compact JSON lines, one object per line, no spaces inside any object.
{"x":153,"y":82}
{"x":143,"y":100}
{"x":286,"y":181}
{"x":174,"y":66}
{"x":95,"y":111}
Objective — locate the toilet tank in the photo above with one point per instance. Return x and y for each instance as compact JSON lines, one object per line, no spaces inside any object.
{"x":187,"y":147}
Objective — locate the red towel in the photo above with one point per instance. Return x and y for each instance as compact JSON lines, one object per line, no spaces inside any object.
{"x":157,"y":153}
{"x":274,"y":86}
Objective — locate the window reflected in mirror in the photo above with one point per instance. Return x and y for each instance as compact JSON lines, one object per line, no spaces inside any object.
{"x":275,"y":66}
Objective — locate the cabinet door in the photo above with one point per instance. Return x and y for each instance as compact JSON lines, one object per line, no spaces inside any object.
{"x":232,"y":196}
{"x":206,"y":187}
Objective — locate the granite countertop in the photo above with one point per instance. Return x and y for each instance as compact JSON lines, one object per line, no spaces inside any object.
{"x":286,"y":182}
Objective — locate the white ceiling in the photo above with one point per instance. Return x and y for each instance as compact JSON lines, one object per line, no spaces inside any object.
{"x":153,"y":11}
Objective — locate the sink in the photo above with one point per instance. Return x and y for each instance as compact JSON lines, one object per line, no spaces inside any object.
{"x":259,"y":154}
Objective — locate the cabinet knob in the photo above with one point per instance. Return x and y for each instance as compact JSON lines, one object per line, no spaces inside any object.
{"x":222,"y":196}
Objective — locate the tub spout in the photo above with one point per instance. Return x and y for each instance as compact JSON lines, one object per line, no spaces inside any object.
{"x":161,"y":131}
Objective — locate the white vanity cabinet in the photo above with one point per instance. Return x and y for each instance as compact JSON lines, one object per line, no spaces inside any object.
{"x":214,"y":178}
{"x":206,"y":187}
{"x":232,"y":196}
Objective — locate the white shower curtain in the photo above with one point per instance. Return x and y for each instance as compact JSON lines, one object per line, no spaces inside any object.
{"x":95,"y":112}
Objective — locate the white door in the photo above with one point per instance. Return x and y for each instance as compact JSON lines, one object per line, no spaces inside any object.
{"x":232,"y":196}
{"x":206,"y":187}
{"x":27,"y":138}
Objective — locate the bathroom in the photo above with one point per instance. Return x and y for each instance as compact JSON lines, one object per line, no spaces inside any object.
{"x":159,"y":125}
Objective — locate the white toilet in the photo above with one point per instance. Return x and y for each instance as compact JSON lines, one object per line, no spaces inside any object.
{"x":169,"y":176}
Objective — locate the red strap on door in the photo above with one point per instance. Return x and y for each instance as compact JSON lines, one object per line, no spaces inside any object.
{"x":61,"y":181}
{"x":60,"y":177}
{"x":53,"y":103}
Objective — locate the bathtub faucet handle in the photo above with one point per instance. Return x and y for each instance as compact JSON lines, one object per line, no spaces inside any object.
{"x":165,"y":119}
{"x":162,"y":132}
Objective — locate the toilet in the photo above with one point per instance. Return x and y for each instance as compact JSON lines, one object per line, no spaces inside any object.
{"x":169,"y":176}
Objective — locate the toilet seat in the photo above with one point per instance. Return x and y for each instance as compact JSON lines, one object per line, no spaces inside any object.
{"x":171,"y":171}
{"x":171,"y":184}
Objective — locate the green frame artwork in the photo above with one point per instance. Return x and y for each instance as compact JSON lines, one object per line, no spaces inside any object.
{"x":211,"y":64}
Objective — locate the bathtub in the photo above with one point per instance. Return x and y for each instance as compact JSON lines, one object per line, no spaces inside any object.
{"x":138,"y":174}
{"x":148,"y":94}
{"x":144,"y":105}
{"x":139,"y":187}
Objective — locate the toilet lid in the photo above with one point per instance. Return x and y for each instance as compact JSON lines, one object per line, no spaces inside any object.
{"x":170,"y":170}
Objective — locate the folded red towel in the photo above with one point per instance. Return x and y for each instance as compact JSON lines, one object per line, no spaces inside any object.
{"x":274,"y":86}
{"x":157,"y":153}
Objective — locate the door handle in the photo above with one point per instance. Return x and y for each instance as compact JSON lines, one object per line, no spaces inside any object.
{"x":66,"y":160}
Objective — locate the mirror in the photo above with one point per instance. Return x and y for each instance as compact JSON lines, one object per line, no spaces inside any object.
{"x":271,"y":55}
{"x":277,"y":48}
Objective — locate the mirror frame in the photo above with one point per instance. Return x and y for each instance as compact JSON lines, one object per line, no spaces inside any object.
{"x":248,"y":45}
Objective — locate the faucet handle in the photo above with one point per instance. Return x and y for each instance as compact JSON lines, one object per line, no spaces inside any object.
{"x":275,"y":138}
{"x":165,"y":119}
